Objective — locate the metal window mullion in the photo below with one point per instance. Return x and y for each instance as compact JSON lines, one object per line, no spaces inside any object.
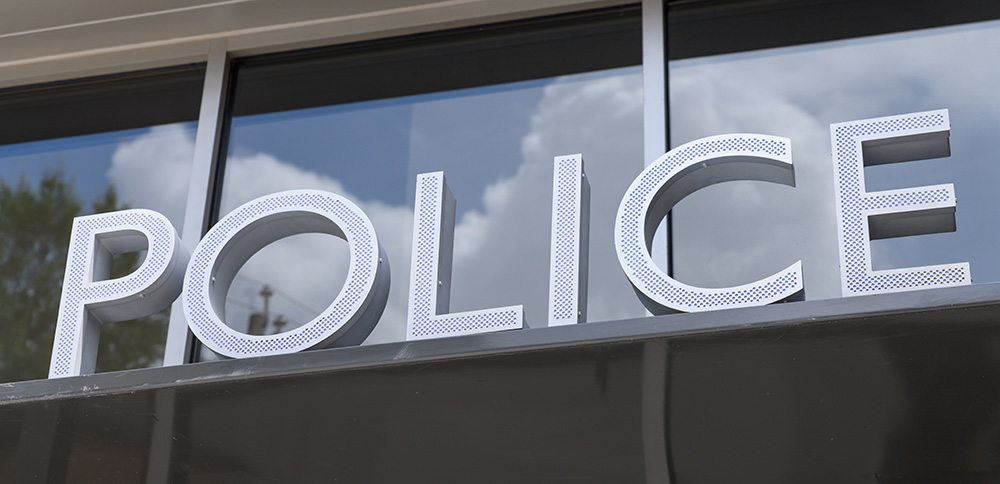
{"x":655,"y":144}
{"x":655,"y":98}
{"x":203,"y":170}
{"x":654,"y":80}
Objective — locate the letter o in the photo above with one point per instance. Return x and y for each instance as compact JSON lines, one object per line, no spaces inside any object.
{"x":348,"y":320}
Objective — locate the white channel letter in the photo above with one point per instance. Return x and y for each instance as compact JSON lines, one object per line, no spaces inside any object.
{"x":430,"y":271}
{"x":675,"y":175}
{"x":90,"y":299}
{"x":348,"y":320}
{"x":569,"y":251}
{"x":863,"y":216}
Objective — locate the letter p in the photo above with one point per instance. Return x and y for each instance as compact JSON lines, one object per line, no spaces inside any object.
{"x":90,"y":299}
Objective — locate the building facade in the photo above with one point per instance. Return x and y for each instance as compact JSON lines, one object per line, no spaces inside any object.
{"x":200,"y":111}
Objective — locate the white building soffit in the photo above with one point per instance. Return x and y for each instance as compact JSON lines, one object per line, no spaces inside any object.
{"x":55,"y":39}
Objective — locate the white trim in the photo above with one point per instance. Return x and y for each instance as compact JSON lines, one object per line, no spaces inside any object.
{"x":123,"y":17}
{"x":167,"y":37}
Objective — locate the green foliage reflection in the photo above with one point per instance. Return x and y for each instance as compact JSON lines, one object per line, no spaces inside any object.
{"x":35,"y":227}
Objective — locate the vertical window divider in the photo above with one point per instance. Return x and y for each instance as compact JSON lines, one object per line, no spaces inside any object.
{"x":207,"y":153}
{"x":655,"y":98}
{"x":654,"y":83}
{"x":655,"y":143}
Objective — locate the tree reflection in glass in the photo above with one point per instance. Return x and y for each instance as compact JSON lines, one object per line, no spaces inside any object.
{"x":43,"y":186}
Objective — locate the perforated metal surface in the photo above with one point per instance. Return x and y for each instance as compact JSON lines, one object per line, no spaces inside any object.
{"x":259,"y":223}
{"x":698,"y":164}
{"x":855,"y":205}
{"x":430,"y":271}
{"x":568,"y":252}
{"x":86,"y":304}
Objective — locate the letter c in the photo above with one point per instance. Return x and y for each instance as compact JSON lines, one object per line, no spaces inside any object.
{"x":675,"y":175}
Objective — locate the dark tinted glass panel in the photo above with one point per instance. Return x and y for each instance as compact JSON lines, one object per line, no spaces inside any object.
{"x":695,"y":26}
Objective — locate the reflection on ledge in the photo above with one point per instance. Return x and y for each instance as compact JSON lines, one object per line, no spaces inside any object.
{"x":888,"y":395}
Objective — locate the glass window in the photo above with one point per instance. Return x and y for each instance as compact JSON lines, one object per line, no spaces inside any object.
{"x":737,"y":232}
{"x":491,"y":108}
{"x":77,"y":149}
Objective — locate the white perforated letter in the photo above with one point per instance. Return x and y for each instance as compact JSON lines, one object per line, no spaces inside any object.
{"x":430,"y":271}
{"x":348,"y":320}
{"x":570,"y":242}
{"x":90,"y":299}
{"x":863,"y":216}
{"x":673,"y":176}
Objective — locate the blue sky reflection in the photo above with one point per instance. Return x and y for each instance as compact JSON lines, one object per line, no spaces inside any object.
{"x":496,"y":145}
